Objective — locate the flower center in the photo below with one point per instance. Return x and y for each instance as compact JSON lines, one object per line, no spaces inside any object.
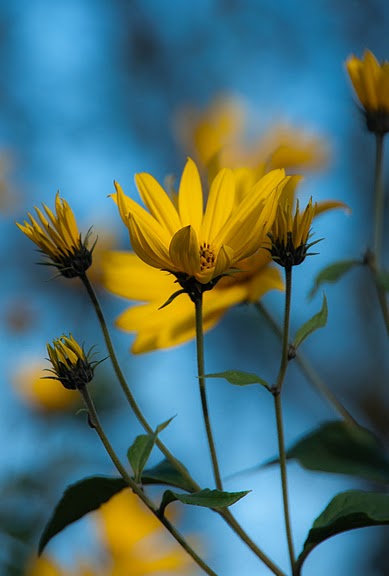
{"x":207,"y":256}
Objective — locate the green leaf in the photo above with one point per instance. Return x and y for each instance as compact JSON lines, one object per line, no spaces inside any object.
{"x":206,"y":498}
{"x":139,"y":452}
{"x":347,"y":511}
{"x":239,"y":378}
{"x":317,"y":321}
{"x":342,"y":448}
{"x":383,"y":280}
{"x":77,"y":500}
{"x":165,"y":473}
{"x":332,"y":273}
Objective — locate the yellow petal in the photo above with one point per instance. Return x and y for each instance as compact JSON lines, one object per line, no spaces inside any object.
{"x":126,"y":275}
{"x":327,"y":205}
{"x":147,"y":244}
{"x":190,"y":197}
{"x":224,"y":260}
{"x":371,"y":70}
{"x":158,"y":202}
{"x":219,"y":205}
{"x":184,"y":251}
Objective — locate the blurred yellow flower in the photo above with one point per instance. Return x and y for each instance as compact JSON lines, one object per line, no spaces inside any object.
{"x":371,"y":84}
{"x":31,"y":383}
{"x":130,"y":541}
{"x":58,"y":238}
{"x":217,"y":139}
{"x":188,"y":241}
{"x":129,"y":277}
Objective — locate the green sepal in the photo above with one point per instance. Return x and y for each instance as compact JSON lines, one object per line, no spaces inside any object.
{"x":317,"y":321}
{"x":239,"y":378}
{"x":206,"y":498}
{"x":332,"y":273}
{"x":347,"y":511}
{"x":139,"y":452}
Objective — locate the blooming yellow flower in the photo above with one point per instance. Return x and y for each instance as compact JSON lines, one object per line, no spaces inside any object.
{"x":371,"y":84}
{"x":216,"y":138}
{"x":58,"y":238}
{"x":127,"y":276}
{"x":47,"y":396}
{"x":188,"y":241}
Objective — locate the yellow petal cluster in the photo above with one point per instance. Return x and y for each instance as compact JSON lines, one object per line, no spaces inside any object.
{"x":127,"y":276}
{"x":371,"y":81}
{"x":70,"y":365}
{"x":54,"y":234}
{"x":203,"y":244}
{"x":57,"y":236}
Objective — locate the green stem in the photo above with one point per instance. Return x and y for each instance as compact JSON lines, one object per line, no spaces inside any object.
{"x":378,"y":198}
{"x":242,"y":534}
{"x":136,"y":488}
{"x":310,"y":373}
{"x":278,"y":410}
{"x":374,"y":260}
{"x":198,"y":300}
{"x":127,"y":392}
{"x":138,"y":413}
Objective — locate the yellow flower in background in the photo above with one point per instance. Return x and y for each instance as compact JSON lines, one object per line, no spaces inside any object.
{"x":371,"y":84}
{"x":130,"y":541}
{"x":58,"y":238}
{"x":217,"y":139}
{"x":190,"y":241}
{"x":31,"y":384}
{"x":129,"y":277}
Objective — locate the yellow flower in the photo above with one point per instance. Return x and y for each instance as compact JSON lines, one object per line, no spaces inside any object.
{"x":132,"y":542}
{"x":71,"y":365}
{"x":371,"y":84}
{"x":57,"y":237}
{"x":33,"y":387}
{"x":216,"y":137}
{"x":127,"y":276}
{"x":190,"y":242}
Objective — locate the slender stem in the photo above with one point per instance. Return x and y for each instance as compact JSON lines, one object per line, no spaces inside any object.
{"x":138,"y":413}
{"x":203,"y":394}
{"x":374,"y":260}
{"x":310,"y":373}
{"x":127,"y":392}
{"x":285,"y":332}
{"x":136,"y":488}
{"x":238,"y":530}
{"x":278,"y":410}
{"x":378,"y":198}
{"x":284,"y":478}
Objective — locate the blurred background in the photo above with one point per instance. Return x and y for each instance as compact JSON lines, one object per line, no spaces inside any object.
{"x":96,"y":91}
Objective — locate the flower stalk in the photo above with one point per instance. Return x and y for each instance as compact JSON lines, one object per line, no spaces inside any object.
{"x":95,"y":423}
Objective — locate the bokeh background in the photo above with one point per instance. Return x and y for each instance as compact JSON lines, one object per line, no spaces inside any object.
{"x":90,"y":91}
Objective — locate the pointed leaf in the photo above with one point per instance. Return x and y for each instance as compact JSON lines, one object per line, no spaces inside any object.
{"x":347,"y":511}
{"x":239,"y":378}
{"x":139,"y":452}
{"x":332,"y":273}
{"x":165,"y":473}
{"x":342,"y":448}
{"x":317,"y":321}
{"x":206,"y":498}
{"x":77,"y":500}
